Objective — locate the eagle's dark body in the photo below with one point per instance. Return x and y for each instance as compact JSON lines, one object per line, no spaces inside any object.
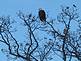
{"x":42,"y":15}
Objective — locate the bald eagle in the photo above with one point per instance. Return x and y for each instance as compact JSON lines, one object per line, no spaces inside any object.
{"x":42,"y":15}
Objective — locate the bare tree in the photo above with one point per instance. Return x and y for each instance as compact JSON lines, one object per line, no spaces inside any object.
{"x":59,"y":37}
{"x":67,"y":44}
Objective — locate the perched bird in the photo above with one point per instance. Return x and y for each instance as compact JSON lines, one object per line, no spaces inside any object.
{"x":42,"y":15}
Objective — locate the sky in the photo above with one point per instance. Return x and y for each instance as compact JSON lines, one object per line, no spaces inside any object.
{"x":52,"y":7}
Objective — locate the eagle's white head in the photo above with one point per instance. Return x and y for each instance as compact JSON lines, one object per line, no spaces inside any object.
{"x":40,"y":9}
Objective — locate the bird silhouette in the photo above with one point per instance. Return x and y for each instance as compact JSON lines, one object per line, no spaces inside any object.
{"x":42,"y":15}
